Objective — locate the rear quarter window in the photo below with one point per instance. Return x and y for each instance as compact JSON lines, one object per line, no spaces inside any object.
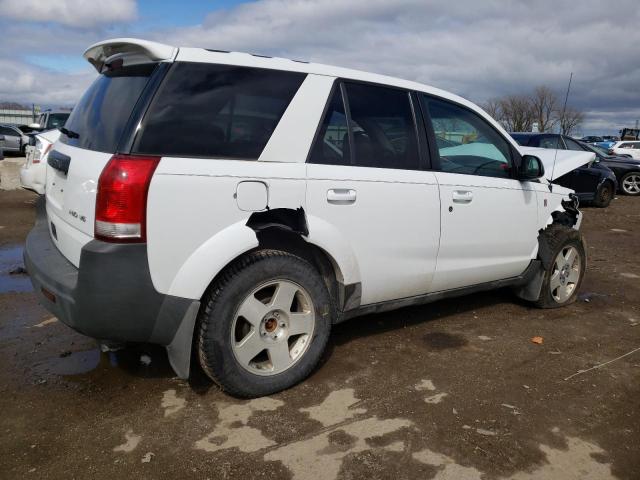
{"x":216,"y":111}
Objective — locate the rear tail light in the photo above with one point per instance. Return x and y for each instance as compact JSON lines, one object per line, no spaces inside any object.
{"x":37,"y":156}
{"x":121,"y":203}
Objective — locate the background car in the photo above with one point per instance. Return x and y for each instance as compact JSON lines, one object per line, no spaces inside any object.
{"x":627,"y":170}
{"x":592,"y":139}
{"x":33,"y":175}
{"x":50,"y":119}
{"x":626,"y":147}
{"x":14,"y":139}
{"x":1,"y":144}
{"x":594,"y":182}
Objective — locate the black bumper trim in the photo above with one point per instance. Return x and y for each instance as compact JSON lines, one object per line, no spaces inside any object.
{"x":110,"y":297}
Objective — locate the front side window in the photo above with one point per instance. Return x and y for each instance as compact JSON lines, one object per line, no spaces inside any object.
{"x":467,"y":144}
{"x":382,"y":127}
{"x":332,"y":143}
{"x":216,"y":111}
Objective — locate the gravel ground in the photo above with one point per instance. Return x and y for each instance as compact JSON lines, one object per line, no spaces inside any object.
{"x":10,"y":171}
{"x":452,"y":390}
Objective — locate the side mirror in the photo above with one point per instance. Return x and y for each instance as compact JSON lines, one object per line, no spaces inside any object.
{"x":531,"y":168}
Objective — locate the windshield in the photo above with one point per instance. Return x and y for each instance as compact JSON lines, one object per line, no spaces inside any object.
{"x":56,"y":120}
{"x":602,"y":152}
{"x":100,"y":117}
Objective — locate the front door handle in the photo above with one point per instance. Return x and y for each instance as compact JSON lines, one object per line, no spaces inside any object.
{"x":462,"y":196}
{"x":341,"y":196}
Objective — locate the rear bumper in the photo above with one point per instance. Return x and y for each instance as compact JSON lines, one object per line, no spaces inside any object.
{"x":110,"y":297}
{"x":29,"y":179}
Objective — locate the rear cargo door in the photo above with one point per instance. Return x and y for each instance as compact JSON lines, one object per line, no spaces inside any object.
{"x":90,"y":137}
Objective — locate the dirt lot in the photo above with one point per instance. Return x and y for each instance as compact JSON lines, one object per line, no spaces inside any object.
{"x":452,"y":390}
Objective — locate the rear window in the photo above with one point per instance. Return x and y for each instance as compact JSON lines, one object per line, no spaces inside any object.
{"x":216,"y":111}
{"x":100,"y":117}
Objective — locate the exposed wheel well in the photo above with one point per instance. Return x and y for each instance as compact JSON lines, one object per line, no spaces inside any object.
{"x":283,"y":239}
{"x":283,"y":231}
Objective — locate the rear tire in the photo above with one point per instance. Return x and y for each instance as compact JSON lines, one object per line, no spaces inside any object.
{"x":630,"y":183}
{"x":264,"y":324}
{"x":604,"y":195}
{"x":564,"y":263}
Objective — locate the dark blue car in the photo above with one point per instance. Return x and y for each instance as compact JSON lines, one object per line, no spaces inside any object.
{"x":594,"y":183}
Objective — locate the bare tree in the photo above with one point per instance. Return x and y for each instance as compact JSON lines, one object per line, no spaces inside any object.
{"x":492,"y":107}
{"x":570,"y":120}
{"x":544,"y":104}
{"x":516,"y":113}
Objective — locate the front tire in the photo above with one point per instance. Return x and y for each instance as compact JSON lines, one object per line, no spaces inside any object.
{"x":564,"y":264}
{"x":264,"y":324}
{"x":604,"y":195}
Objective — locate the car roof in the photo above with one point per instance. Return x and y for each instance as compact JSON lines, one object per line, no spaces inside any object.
{"x":98,"y":54}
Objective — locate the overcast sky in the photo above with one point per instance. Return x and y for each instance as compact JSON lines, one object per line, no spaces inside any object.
{"x":476,"y":48}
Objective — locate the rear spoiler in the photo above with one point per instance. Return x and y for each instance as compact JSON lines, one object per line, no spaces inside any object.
{"x":100,"y":53}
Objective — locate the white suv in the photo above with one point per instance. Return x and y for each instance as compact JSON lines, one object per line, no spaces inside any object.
{"x":239,"y":206}
{"x":631,"y":148}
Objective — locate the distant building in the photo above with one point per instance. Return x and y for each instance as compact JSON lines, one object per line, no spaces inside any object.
{"x":16,"y":114}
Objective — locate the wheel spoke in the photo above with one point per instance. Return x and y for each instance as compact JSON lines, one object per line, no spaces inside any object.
{"x":283,"y":297}
{"x":253,"y":310}
{"x":564,"y":292}
{"x":279,"y":355}
{"x":249,"y":347}
{"x":301,"y":323}
{"x":554,"y":282}
{"x":570,"y":256}
{"x":574,"y":275}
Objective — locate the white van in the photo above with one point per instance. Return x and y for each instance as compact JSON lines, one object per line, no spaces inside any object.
{"x":241,"y":205}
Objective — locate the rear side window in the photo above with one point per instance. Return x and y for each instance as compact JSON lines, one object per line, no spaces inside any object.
{"x":383,"y":128}
{"x":100,"y":117}
{"x":332,"y":142}
{"x":206,"y":110}
{"x":467,"y":143}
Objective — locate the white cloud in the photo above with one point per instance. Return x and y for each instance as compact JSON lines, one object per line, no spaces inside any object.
{"x":26,"y":83}
{"x":74,"y":13}
{"x":476,"y":49}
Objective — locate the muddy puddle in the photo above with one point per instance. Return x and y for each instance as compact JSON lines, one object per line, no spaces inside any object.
{"x":142,"y":361}
{"x":11,"y":261}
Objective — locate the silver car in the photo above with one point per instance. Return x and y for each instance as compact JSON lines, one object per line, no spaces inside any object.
{"x":14,"y":139}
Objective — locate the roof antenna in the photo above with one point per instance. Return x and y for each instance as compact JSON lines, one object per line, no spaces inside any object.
{"x":564,"y":110}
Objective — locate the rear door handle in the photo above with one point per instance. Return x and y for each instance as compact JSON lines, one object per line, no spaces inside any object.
{"x":341,"y":196}
{"x":462,"y":196}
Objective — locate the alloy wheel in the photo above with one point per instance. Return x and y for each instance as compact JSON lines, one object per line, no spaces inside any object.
{"x":631,"y":184}
{"x":566,"y":273}
{"x":273,"y":327}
